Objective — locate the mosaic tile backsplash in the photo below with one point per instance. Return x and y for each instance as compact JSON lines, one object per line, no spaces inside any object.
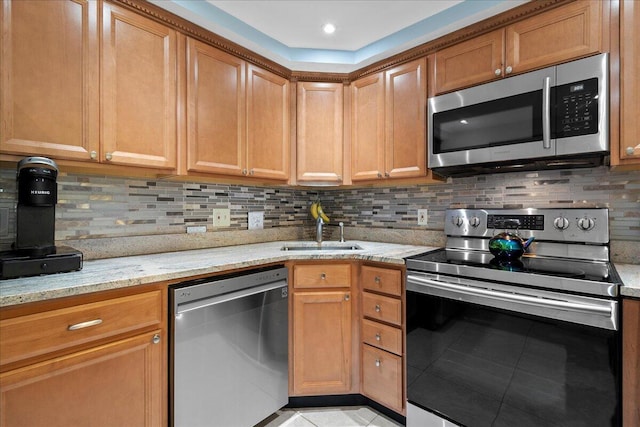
{"x":92,"y":207}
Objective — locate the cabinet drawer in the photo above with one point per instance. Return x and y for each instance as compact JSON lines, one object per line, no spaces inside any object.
{"x":322,"y":276}
{"x":382,"y":377}
{"x":382,"y":336}
{"x":383,"y":308}
{"x":382,"y":280}
{"x":41,"y":333}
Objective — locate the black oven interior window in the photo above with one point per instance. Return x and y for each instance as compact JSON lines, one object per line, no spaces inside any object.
{"x":510,"y":120}
{"x":484,"y":367}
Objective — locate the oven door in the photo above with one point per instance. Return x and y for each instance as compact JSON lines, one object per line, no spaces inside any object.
{"x":484,"y":354}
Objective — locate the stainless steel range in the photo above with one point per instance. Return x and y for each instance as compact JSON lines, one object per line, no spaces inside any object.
{"x":528,"y":341}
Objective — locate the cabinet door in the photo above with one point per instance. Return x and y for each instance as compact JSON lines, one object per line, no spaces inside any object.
{"x":630,"y":86}
{"x":471,"y":62}
{"x":319,"y":132}
{"x":405,"y":120}
{"x":215,"y":110}
{"x":49,"y":78}
{"x":117,"y":384}
{"x":139,"y":90}
{"x":321,"y":343}
{"x":559,"y":35}
{"x":268,"y":148}
{"x":367,"y":128}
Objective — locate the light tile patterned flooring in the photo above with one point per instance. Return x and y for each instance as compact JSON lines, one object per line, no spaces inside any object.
{"x":352,"y":416}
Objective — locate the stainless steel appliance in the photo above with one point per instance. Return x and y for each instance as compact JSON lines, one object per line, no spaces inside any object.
{"x":34,"y":251}
{"x":529,"y":342}
{"x":229,"y":351}
{"x":556,"y":117}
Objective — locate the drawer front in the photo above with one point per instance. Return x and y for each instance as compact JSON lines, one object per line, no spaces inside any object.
{"x":382,"y":336}
{"x":322,"y":276}
{"x":382,"y":377}
{"x":383,"y":308}
{"x":41,"y":333}
{"x":382,"y":280}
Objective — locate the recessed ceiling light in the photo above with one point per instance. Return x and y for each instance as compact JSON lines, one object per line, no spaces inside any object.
{"x":329,"y":28}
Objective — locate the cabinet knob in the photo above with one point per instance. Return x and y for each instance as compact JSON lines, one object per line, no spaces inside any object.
{"x":630,"y":150}
{"x":378,"y":363}
{"x":379,"y":175}
{"x":156,"y":338}
{"x":377,"y":279}
{"x":387,"y":174}
{"x":508,"y":70}
{"x":323,"y":276}
{"x":378,"y":308}
{"x":93,"y":154}
{"x":378,"y":337}
{"x":244,"y":171}
{"x":108,"y":156}
{"x":347,"y":297}
{"x":498,"y":71}
{"x":251,"y":172}
{"x":339,"y":177}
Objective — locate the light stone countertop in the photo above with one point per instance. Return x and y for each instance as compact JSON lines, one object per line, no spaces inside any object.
{"x":113,"y":273}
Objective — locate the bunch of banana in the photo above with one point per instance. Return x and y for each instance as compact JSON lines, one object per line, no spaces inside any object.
{"x":316,"y":211}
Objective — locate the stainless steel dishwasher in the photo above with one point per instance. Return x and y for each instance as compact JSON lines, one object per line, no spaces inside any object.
{"x":229,"y":349}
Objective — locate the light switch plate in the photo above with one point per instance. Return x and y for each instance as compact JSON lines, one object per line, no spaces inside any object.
{"x":422,"y":217}
{"x":221,"y":217}
{"x":256,"y":220}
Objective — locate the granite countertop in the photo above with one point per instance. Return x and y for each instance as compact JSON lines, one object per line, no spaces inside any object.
{"x":113,"y":273}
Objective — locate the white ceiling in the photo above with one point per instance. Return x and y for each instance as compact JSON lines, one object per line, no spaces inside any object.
{"x":289,"y":32}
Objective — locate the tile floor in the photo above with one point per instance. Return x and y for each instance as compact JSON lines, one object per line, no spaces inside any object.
{"x":352,"y":416}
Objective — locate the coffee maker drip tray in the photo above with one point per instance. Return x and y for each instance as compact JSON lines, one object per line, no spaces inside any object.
{"x":14,"y":264}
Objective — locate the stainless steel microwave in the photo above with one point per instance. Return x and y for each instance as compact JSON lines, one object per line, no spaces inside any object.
{"x":556,"y":117}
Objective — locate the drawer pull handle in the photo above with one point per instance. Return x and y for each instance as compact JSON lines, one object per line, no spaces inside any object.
{"x":323,"y":276}
{"x":378,"y":308}
{"x":378,"y":363}
{"x":83,"y":325}
{"x":377,"y":280}
{"x":378,"y":337}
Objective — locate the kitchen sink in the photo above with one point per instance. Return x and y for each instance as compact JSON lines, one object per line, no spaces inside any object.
{"x":326,"y":246}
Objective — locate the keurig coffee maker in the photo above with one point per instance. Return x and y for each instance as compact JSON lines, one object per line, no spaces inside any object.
{"x":34,"y":251}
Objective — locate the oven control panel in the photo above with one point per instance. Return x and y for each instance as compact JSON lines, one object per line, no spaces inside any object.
{"x":588,"y":225}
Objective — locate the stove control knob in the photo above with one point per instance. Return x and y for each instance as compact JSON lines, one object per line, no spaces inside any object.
{"x":457,"y":221}
{"x":475,"y":221}
{"x":586,"y":224}
{"x":561,"y":223}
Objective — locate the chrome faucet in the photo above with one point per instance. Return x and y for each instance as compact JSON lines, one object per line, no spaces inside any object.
{"x":319,"y":223}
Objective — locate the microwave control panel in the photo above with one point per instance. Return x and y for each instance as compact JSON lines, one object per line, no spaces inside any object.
{"x":576,"y":108}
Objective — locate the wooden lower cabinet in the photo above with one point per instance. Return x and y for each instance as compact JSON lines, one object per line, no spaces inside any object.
{"x":631,"y":363}
{"x":92,"y":360}
{"x":382,"y":377}
{"x":116,"y":384}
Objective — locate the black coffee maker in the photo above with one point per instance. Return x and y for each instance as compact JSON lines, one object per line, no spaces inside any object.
{"x":34,"y":251}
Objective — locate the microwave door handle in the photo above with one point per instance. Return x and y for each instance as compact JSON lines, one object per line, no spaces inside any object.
{"x":546,"y":113}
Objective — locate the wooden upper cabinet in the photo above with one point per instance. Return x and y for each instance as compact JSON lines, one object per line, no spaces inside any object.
{"x":405,"y":120}
{"x":268,"y":132}
{"x":629,"y":84}
{"x":367,"y":128}
{"x":215,"y":110}
{"x":49,"y":78}
{"x":389,"y":123}
{"x":465,"y":64}
{"x":561,"y":34}
{"x":320,"y":142}
{"x":139,"y":90}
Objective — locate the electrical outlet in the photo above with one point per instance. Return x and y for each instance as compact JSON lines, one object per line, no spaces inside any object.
{"x":422,"y":216}
{"x":256,"y":220}
{"x":221,"y":217}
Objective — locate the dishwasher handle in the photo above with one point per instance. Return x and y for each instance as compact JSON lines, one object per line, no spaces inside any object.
{"x":206,"y":302}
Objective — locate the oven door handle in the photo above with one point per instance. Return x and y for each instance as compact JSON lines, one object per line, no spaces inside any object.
{"x":605,"y":312}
